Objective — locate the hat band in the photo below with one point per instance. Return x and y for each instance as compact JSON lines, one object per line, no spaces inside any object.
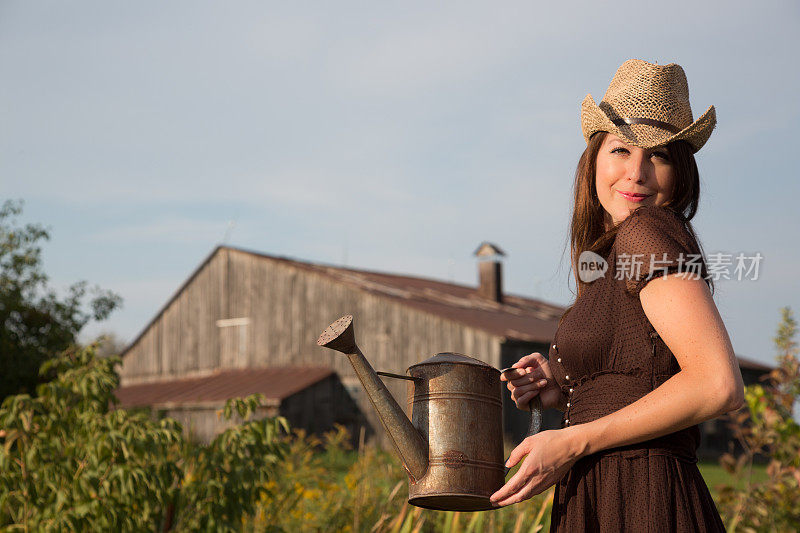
{"x":647,"y":122}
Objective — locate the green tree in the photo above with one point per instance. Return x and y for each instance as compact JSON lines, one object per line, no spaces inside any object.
{"x":69,"y":461}
{"x":766,"y":427}
{"x":36,"y":322}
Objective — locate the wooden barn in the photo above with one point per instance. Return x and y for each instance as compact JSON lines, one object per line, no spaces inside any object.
{"x":242,"y":310}
{"x":248,"y":322}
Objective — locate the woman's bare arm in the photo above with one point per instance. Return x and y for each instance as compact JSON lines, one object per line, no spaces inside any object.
{"x":709,"y":384}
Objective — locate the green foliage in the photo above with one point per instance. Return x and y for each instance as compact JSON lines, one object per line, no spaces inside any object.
{"x":36,"y":323}
{"x":766,"y":427}
{"x":223,"y":481}
{"x":715,"y":476}
{"x":323,"y":485}
{"x":69,"y":461}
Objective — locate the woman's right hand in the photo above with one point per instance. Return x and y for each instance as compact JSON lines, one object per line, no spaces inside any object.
{"x":531,"y":376}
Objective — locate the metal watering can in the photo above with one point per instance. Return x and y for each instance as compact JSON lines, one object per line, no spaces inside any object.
{"x":452,"y":448}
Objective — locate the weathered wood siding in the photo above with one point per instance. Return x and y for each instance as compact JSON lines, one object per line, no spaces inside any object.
{"x":201,"y":423}
{"x":315,"y":409}
{"x":184,"y":339}
{"x":285,"y":308}
{"x":320,"y":407}
{"x":290,"y":306}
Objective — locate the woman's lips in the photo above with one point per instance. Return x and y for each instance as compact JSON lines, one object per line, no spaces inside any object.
{"x":633,"y":198}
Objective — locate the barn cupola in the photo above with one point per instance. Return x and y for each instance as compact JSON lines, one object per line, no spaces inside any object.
{"x":490,"y":271}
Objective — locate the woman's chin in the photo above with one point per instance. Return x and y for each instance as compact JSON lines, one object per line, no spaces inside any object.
{"x":622,"y":209}
{"x":623,"y":212}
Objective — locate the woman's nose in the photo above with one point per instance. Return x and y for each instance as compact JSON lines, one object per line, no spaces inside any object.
{"x":637,"y":176}
{"x":637,"y":170}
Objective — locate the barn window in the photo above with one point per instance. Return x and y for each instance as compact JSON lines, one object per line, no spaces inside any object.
{"x":233,"y":341}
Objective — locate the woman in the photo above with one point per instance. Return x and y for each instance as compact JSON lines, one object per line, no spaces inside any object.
{"x":642,"y":356}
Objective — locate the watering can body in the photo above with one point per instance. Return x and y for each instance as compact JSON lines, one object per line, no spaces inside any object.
{"x":452,"y":448}
{"x":457,"y":408}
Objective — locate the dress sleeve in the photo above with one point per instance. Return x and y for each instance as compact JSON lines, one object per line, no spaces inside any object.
{"x":654,"y":242}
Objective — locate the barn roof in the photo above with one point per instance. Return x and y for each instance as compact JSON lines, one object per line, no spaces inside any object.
{"x":750,"y":364}
{"x":275,"y":383}
{"x":516,"y":318}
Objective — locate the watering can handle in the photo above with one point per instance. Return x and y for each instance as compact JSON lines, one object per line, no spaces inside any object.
{"x":535,"y":424}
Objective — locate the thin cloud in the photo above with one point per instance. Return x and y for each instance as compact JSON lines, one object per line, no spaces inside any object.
{"x":165,"y":230}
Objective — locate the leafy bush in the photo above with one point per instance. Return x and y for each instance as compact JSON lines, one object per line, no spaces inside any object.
{"x":766,"y":428}
{"x":69,"y":461}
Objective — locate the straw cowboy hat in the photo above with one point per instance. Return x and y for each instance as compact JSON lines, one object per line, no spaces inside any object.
{"x":647,"y":105}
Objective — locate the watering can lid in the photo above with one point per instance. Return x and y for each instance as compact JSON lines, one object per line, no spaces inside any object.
{"x":450,"y":357}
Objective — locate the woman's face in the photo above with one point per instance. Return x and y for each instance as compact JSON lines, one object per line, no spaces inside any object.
{"x":628,"y":176}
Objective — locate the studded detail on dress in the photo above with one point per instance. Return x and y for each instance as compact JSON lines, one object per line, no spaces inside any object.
{"x":607,"y":359}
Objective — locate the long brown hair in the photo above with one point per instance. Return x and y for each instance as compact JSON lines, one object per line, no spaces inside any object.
{"x":587,"y":228}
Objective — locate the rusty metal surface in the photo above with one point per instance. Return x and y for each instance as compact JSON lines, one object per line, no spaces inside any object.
{"x":451,"y":357}
{"x":395,"y":376}
{"x":458,"y":409}
{"x":408,"y":442}
{"x":275,"y":383}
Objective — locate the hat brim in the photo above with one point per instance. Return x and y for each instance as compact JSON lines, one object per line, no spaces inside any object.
{"x":594,"y":119}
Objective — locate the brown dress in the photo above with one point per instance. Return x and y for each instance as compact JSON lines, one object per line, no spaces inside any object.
{"x":606,"y":355}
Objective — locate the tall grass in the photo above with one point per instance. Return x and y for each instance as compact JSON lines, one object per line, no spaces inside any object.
{"x":325,"y":485}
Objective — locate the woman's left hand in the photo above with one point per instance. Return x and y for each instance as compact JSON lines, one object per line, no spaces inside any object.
{"x":550,"y":454}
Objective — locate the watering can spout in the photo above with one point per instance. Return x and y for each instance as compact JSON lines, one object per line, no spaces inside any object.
{"x":409,"y":443}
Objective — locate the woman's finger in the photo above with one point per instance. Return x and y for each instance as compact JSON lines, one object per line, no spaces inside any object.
{"x":519,"y":391}
{"x":534,"y":359}
{"x":526,"y":398}
{"x":517,"y":454}
{"x":525,"y":492}
{"x":519,"y":479}
{"x":513,"y":373}
{"x":533,"y":377}
{"x":523,"y":375}
{"x":511,"y":487}
{"x":536,"y":385}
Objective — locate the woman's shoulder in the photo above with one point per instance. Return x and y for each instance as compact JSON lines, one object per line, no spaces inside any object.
{"x":653,"y":228}
{"x":655,"y":241}
{"x":652,"y":215}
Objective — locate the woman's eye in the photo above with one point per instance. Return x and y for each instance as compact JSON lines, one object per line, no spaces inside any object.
{"x":662,"y":155}
{"x":619,"y":149}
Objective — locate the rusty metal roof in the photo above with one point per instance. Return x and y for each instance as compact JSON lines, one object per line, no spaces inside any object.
{"x":750,"y":364}
{"x":275,"y":383}
{"x":517,"y":317}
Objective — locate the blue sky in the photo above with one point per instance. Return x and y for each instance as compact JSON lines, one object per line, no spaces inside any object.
{"x":390,"y":137}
